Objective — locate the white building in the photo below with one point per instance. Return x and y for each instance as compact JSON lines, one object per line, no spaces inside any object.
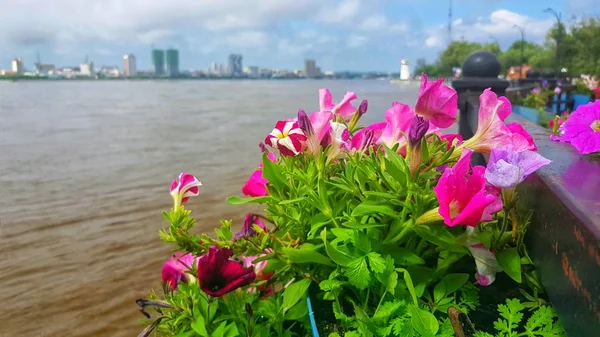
{"x":17,"y":66}
{"x":404,"y":71}
{"x":253,"y":72}
{"x":129,"y":65}
{"x":86,"y":69}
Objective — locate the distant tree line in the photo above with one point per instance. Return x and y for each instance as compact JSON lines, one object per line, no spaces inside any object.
{"x":578,"y":52}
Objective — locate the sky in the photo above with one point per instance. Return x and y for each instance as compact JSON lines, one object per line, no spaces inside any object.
{"x":354,"y":35}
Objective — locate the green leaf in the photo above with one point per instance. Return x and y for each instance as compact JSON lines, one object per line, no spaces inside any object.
{"x":305,"y":256}
{"x":510,"y":261}
{"x":438,"y":235}
{"x":294,"y":292}
{"x":388,"y":309}
{"x":424,"y":151}
{"x":409,"y":285}
{"x":423,"y":321}
{"x":336,"y":255}
{"x":231,"y":330}
{"x":199,"y":326}
{"x":449,"y":284}
{"x":405,"y":257}
{"x":240,"y":201}
{"x":392,"y":283}
{"x":357,"y":273}
{"x":219,"y":331}
{"x":376,"y":262}
{"x":292,"y":201}
{"x":372,"y":208}
{"x":297,"y":312}
{"x":273,"y":173}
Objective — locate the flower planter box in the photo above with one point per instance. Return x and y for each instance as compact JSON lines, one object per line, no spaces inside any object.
{"x":563,"y":236}
{"x":563,"y":102}
{"x":531,"y":114}
{"x":580,"y":99}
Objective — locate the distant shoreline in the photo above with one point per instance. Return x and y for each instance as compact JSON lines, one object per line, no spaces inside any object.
{"x":186,"y":78}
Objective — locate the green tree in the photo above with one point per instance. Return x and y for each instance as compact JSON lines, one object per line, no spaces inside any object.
{"x":431,"y":69}
{"x":455,"y":55}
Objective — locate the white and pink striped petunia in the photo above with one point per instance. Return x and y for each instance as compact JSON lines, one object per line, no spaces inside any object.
{"x":184,"y":187}
{"x":287,"y":138}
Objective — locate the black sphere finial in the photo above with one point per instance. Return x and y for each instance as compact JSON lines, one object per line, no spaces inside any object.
{"x":481,"y":64}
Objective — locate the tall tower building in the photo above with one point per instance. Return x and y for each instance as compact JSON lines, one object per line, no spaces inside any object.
{"x":129,"y":65}
{"x":172,"y":60}
{"x":234,"y":67}
{"x":17,"y":66}
{"x":310,"y":69}
{"x":158,"y":62}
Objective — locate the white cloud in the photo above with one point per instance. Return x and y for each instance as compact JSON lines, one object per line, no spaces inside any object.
{"x":355,"y":41}
{"x":343,"y":12}
{"x":374,"y":22}
{"x":499,"y":24}
{"x":433,"y":41}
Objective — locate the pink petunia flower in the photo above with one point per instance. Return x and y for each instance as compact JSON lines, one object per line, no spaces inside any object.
{"x":463,"y":196}
{"x":256,"y":186}
{"x":175,"y":269}
{"x":491,"y":130}
{"x":437,"y":102}
{"x":343,"y":108}
{"x":582,"y":129}
{"x":287,"y":138}
{"x":184,"y":187}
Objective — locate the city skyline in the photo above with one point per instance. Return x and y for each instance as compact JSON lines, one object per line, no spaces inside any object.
{"x":356,"y":35}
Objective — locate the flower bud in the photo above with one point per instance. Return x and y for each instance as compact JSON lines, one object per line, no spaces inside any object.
{"x":362,"y":108}
{"x":184,"y":187}
{"x":262,"y":147}
{"x":304,"y":123}
{"x":418,"y":129}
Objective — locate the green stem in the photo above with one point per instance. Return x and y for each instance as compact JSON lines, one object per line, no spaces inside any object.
{"x":380,"y":301}
{"x":367,"y":299}
{"x":502,"y":229}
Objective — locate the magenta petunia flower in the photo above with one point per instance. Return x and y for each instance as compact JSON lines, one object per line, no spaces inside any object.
{"x":463,"y":196}
{"x":175,"y":269}
{"x":437,"y":102}
{"x":398,"y":119}
{"x":256,"y":186}
{"x":184,"y":187}
{"x":218,"y":275}
{"x":366,"y":137}
{"x":582,"y":128}
{"x":507,"y":168}
{"x":491,"y":130}
{"x":521,"y":136}
{"x":343,"y":108}
{"x":247,"y":229}
{"x":287,"y":138}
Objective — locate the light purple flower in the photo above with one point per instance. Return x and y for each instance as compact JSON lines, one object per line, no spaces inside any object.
{"x":582,"y":129}
{"x":507,"y":168}
{"x":557,"y":90}
{"x":536,"y":91}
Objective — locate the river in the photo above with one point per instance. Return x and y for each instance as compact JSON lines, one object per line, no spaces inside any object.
{"x":85,"y":169}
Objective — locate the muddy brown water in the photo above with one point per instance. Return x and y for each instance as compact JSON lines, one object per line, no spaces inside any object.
{"x":85,"y":169}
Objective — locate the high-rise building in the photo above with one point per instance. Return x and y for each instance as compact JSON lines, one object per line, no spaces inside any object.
{"x":310,"y":69}
{"x":17,"y":66}
{"x":172,"y":61}
{"x":86,"y":68}
{"x":234,"y":67}
{"x":129,"y":65}
{"x":158,"y":62}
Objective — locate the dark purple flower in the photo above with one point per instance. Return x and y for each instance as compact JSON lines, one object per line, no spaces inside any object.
{"x":218,"y":275}
{"x":247,"y":229}
{"x":507,"y":168}
{"x":418,"y":129}
{"x":304,"y":123}
{"x":362,"y":108}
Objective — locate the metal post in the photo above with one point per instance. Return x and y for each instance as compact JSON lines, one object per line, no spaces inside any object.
{"x":479,"y":72}
{"x":558,"y":35}
{"x":522,"y":46}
